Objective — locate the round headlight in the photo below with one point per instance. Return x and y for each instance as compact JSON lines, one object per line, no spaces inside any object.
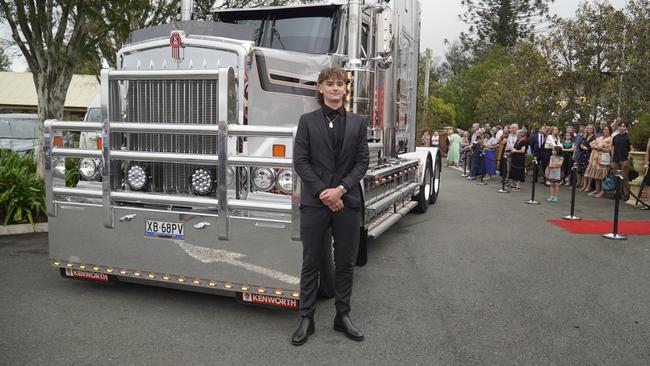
{"x":88,"y":169}
{"x":202,"y":181}
{"x":263,"y":178}
{"x":137,"y":177}
{"x":285,"y":180}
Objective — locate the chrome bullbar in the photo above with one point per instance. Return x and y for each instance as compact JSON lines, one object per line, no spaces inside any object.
{"x":227,"y":127}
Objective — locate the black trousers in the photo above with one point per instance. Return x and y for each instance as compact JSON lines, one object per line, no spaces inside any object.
{"x":315,"y":223}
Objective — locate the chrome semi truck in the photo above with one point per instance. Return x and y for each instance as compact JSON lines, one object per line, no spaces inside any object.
{"x":194,"y":185}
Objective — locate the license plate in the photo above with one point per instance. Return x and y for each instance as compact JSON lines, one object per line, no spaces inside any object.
{"x":164,"y":229}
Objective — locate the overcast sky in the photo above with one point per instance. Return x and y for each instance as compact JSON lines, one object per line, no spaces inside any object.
{"x":440,"y":20}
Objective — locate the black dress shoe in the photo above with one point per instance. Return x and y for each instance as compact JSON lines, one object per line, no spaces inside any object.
{"x":342,"y":323}
{"x":305,"y":329}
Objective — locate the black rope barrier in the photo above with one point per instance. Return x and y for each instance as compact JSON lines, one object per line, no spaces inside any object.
{"x":614,"y":235}
{"x":572,"y":216}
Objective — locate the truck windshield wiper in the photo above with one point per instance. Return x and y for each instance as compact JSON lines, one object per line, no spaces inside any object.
{"x":274,"y":34}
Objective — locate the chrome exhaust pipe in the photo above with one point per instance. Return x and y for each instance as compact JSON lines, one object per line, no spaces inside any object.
{"x":186,"y":9}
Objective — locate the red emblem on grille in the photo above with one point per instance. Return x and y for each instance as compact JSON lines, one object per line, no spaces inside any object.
{"x":176,"y":41}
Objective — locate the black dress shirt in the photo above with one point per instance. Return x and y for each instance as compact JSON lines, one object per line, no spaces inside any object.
{"x":621,"y":143}
{"x":336,"y":119}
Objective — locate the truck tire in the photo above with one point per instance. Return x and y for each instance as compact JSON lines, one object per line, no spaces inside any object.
{"x":435,"y":182}
{"x":327,"y":270}
{"x":423,"y":197}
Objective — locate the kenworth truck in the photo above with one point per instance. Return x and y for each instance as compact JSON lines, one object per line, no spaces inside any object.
{"x":193,"y":184}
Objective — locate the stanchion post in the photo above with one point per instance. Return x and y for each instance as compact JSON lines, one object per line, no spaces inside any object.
{"x":532,"y":200}
{"x":615,"y":235}
{"x":481,"y":164}
{"x":574,"y":174}
{"x":504,"y":171}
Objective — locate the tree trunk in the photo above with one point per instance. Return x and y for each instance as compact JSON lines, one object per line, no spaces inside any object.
{"x":51,"y":92}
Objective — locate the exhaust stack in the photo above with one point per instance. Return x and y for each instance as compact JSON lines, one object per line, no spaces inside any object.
{"x":354,"y":34}
{"x":186,"y":9}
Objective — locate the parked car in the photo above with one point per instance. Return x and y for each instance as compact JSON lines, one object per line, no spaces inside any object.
{"x":89,"y":169}
{"x":19,"y":133}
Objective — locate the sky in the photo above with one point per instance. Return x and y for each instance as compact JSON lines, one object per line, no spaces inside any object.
{"x":440,"y":20}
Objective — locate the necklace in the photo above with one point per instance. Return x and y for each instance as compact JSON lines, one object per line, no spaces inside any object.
{"x":331,"y":120}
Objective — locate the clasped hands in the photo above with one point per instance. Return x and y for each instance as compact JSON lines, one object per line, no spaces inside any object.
{"x":331,"y":198}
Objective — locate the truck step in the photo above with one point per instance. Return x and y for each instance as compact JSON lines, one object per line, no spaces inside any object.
{"x":390,"y":199}
{"x":388,"y":222}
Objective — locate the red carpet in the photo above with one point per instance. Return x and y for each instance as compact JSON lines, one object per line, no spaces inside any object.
{"x":603,"y":227}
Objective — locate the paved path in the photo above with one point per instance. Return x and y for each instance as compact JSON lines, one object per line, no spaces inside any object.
{"x":480,"y":279}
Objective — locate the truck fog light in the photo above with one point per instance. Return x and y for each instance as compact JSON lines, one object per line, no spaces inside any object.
{"x":88,"y":169}
{"x":285,"y":180}
{"x":263,"y":178}
{"x":202,"y":181}
{"x":137,"y":177}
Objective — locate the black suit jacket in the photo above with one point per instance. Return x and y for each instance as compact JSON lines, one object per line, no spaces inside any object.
{"x":317,"y":165}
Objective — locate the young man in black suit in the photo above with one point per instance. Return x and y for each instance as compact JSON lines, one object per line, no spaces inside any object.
{"x":331,"y":157}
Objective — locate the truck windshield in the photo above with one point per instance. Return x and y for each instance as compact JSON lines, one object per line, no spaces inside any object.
{"x":308,"y":30}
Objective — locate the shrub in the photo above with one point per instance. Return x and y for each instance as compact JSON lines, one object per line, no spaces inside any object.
{"x":22,"y":191}
{"x":640,"y":132}
{"x":71,"y":172}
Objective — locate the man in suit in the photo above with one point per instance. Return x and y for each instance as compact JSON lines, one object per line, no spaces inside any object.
{"x":536,"y":142}
{"x":331,"y":157}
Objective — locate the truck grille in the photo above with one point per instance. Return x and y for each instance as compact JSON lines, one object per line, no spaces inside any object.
{"x":163,"y":101}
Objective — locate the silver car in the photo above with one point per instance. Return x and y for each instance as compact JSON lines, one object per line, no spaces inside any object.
{"x":19,"y":133}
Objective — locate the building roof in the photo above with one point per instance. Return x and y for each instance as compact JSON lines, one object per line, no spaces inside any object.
{"x":18,"y":90}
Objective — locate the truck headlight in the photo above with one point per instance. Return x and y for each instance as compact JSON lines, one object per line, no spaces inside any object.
{"x":285,"y":180}
{"x":137,"y":177}
{"x":263,"y":178}
{"x":88,"y":169}
{"x":202,"y":181}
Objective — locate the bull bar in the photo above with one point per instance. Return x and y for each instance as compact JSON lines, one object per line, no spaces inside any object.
{"x":227,"y":127}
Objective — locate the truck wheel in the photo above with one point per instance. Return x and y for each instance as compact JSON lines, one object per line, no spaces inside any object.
{"x":425,"y":191}
{"x":327,"y":270}
{"x":435,"y":182}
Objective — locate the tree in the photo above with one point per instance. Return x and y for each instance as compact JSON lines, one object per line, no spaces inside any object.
{"x":50,"y":35}
{"x":109,"y":28}
{"x":634,"y":88}
{"x":425,"y":104}
{"x":438,"y":115}
{"x":457,"y":60}
{"x":501,"y":22}
{"x":521,"y":91}
{"x":5,"y":63}
{"x":464,"y":90}
{"x":587,"y":54}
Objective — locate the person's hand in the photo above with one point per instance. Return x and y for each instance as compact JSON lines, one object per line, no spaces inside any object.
{"x":330,"y":196}
{"x":337,"y":206}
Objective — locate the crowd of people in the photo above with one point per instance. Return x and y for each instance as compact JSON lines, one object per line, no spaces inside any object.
{"x":595,"y":151}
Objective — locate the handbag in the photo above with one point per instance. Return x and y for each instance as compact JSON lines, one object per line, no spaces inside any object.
{"x":605,"y":158}
{"x":609,"y":183}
